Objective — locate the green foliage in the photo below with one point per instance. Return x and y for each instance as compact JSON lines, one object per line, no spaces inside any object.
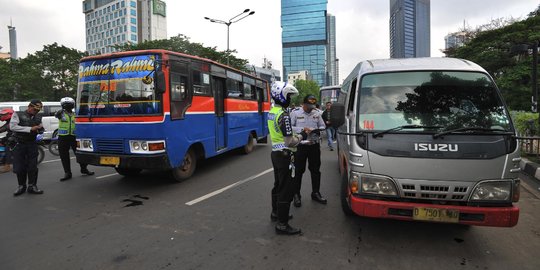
{"x":181,"y":44}
{"x":493,"y":51}
{"x":49,"y":75}
{"x":526,"y":123}
{"x":305,"y":87}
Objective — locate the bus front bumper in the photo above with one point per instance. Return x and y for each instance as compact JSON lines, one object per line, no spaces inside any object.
{"x":155,"y":161}
{"x":506,"y":216}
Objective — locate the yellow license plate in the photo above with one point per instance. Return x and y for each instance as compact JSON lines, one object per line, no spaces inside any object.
{"x":436,"y":214}
{"x":109,"y":161}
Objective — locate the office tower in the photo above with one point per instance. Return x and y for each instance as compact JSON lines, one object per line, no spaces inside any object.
{"x":116,"y":22}
{"x":331,"y":60}
{"x":12,"y":41}
{"x":409,"y":28}
{"x":304,"y":38}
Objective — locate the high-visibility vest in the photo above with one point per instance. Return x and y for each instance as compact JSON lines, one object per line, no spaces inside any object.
{"x":276,"y":135}
{"x":66,"y":126}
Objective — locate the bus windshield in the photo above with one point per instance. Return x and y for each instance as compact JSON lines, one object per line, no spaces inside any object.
{"x":329,"y":94}
{"x":122,"y":86}
{"x":447,"y":100}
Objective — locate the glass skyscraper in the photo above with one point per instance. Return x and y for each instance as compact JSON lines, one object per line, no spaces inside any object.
{"x":409,"y":28}
{"x":304,"y":38}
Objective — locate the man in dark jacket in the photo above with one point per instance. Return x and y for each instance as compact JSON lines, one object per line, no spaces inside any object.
{"x":25,"y":127}
{"x":330,"y":131}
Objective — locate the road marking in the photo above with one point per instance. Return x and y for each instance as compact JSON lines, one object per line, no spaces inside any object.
{"x":53,"y":160}
{"x":211,"y":194}
{"x":107,"y":175}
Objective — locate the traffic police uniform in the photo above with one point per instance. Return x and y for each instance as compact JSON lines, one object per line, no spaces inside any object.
{"x":25,"y":152}
{"x":308,"y":153}
{"x":67,"y":141}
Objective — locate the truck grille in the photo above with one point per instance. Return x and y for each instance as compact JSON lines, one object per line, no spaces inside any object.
{"x":110,"y":146}
{"x":434,"y":190}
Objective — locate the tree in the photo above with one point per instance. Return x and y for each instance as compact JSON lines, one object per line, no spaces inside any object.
{"x":181,"y":44}
{"x":305,"y":87}
{"x":492,"y":49}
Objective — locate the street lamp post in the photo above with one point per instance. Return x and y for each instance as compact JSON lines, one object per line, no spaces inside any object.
{"x":232,"y":20}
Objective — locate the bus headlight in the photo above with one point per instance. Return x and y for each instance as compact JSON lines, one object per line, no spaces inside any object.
{"x":146,"y":147}
{"x":492,"y":191}
{"x":85,"y":145}
{"x":372,"y":184}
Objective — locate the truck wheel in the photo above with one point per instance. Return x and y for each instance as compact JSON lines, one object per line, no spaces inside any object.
{"x":248,"y":148}
{"x":187,"y":168}
{"x":344,"y":195}
{"x":128,"y":171}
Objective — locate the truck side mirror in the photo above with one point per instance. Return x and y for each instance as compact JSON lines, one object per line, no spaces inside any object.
{"x":337,"y":114}
{"x":159,"y":83}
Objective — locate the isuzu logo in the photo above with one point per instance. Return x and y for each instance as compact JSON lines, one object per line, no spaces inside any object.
{"x":435,"y":147}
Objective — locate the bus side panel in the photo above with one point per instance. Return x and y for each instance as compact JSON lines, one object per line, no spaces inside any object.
{"x":242,"y":118}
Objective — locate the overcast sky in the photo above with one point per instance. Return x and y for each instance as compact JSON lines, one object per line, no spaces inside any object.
{"x":361,"y":25}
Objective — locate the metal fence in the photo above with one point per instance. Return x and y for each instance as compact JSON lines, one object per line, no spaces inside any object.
{"x":529,"y":146}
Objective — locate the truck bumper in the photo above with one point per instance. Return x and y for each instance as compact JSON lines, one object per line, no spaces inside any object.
{"x":156,"y":161}
{"x":470,"y":215}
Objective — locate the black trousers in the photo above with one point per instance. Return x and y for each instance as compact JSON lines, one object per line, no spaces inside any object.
{"x":65,"y":143}
{"x":310,"y":154}
{"x":25,"y":155}
{"x":284,"y":186}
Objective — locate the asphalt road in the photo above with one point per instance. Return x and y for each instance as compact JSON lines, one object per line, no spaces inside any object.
{"x":219,"y":219}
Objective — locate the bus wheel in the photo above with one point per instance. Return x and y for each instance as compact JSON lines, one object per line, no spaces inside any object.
{"x":248,"y":148}
{"x":128,"y":172}
{"x":186,"y":169}
{"x":344,"y":195}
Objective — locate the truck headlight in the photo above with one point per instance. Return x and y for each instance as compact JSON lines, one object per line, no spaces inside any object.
{"x":372,"y":184}
{"x":492,"y":191}
{"x":146,"y":147}
{"x":85,"y":145}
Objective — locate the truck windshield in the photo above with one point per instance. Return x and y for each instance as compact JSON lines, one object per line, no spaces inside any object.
{"x":121,"y":86}
{"x":448,"y":100}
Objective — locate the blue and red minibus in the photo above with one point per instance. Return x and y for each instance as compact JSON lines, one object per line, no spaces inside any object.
{"x":157,"y":109}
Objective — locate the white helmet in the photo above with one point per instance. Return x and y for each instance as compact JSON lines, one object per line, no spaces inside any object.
{"x":67,"y":100}
{"x":280,"y":91}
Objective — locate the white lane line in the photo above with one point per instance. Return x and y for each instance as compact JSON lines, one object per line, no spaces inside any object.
{"x":211,"y":194}
{"x":54,"y":160}
{"x":107,"y":175}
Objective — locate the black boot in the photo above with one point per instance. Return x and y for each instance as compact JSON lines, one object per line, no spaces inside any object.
{"x":86,"y":171}
{"x":32,"y":189}
{"x":20,"y":190}
{"x":316,"y":196}
{"x":67,"y":176}
{"x":285,"y":228}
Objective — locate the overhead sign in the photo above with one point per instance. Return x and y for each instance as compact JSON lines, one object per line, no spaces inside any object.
{"x":160,"y":8}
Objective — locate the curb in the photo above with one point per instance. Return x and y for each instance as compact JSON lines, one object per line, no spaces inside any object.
{"x":530,"y":168}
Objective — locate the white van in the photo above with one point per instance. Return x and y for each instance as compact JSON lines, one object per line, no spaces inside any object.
{"x":426,"y":139}
{"x":50,"y":123}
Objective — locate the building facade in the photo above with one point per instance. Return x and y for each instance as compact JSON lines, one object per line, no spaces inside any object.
{"x":117,"y":22}
{"x":12,"y":42}
{"x":409,"y":28}
{"x":304,"y":38}
{"x":332,"y":64}
{"x":292,"y":77}
{"x":455,"y":40}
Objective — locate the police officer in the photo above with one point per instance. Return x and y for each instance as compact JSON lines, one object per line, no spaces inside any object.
{"x":284,"y":141}
{"x":308,"y":119}
{"x":25,"y":126}
{"x":66,"y":137}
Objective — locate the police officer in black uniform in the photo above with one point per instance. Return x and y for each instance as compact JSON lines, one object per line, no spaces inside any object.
{"x":26,"y":125}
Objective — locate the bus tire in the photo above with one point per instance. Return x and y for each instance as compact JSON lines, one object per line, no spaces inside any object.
{"x":248,"y":148}
{"x":344,"y":195}
{"x":187,"y":168}
{"x":128,"y":171}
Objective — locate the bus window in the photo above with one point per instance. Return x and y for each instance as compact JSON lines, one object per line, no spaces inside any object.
{"x":234,"y":88}
{"x":201,"y":83}
{"x":249,"y":92}
{"x":178,"y":87}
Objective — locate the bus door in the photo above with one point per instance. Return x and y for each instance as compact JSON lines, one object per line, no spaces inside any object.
{"x":218,"y":87}
{"x":260,"y":105}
